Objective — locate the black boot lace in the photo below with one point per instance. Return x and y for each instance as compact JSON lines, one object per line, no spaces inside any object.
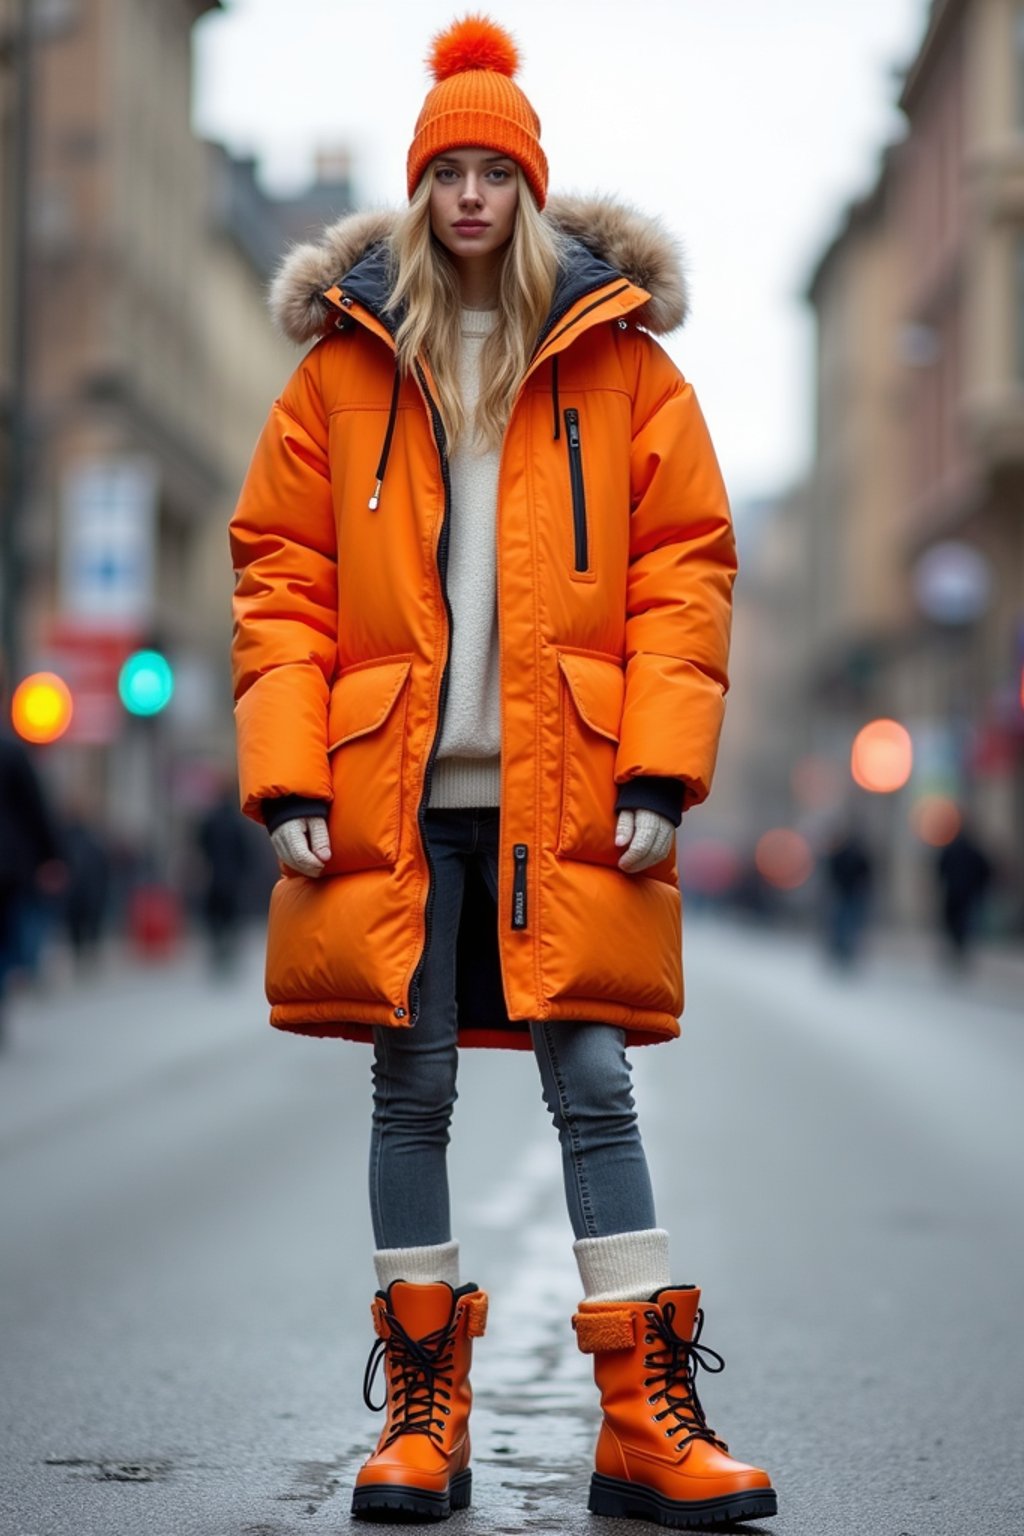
{"x":674,"y":1365}
{"x":420,"y":1373}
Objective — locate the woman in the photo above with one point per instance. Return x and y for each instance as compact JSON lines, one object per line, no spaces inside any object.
{"x":484,"y":568}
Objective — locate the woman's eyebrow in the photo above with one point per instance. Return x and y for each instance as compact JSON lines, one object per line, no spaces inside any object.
{"x":488,"y":160}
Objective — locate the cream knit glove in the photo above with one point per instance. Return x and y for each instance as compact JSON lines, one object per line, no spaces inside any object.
{"x":303,"y":844}
{"x":649,"y":838}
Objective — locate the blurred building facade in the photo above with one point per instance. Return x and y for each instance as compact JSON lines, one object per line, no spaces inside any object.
{"x":908,"y":536}
{"x":11,"y":249}
{"x":151,"y":367}
{"x":8,"y":176}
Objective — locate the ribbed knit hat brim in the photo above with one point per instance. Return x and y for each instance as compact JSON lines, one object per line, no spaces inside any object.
{"x":476,"y":103}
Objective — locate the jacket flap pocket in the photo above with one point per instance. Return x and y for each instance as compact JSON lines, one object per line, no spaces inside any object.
{"x":597,"y":685}
{"x":362,"y":698}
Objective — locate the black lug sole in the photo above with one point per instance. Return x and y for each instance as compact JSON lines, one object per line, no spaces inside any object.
{"x":392,"y":1501}
{"x":632,"y":1501}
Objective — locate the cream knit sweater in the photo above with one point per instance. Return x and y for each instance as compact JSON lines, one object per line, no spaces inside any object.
{"x":467,"y":768}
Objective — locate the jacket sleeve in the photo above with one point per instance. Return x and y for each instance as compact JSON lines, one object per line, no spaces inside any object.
{"x":682,"y":565}
{"x":284,"y":549}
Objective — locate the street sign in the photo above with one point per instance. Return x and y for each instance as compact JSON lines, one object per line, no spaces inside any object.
{"x":108,"y":542}
{"x":90,"y":659}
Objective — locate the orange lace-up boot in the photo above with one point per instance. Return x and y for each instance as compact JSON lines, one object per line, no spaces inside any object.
{"x":420,"y":1468}
{"x":657,"y":1459}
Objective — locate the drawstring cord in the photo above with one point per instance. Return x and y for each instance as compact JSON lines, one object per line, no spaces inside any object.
{"x":385,"y":453}
{"x":554,"y":396}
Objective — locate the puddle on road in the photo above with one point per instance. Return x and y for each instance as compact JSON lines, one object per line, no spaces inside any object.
{"x":535,"y":1406}
{"x":113,"y":1471}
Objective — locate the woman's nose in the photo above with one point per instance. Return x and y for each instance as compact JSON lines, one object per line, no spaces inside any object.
{"x":470,"y":192}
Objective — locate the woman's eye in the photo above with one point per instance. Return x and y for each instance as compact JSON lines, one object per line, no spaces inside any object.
{"x":445,"y":174}
{"x":500,"y":172}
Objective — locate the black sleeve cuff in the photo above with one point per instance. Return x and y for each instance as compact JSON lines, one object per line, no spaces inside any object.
{"x":284,"y":808}
{"x":651,"y":793}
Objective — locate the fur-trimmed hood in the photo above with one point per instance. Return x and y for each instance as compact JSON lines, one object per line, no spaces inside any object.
{"x":630,"y":243}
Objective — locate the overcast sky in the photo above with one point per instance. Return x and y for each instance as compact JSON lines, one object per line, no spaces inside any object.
{"x":746,"y":125}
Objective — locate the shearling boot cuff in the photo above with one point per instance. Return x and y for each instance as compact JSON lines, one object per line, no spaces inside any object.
{"x":420,"y":1266}
{"x":628,"y":1266}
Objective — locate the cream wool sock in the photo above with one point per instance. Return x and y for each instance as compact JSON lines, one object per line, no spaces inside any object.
{"x":628,"y":1266}
{"x":420,"y":1266}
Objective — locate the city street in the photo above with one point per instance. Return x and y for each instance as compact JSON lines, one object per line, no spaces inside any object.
{"x":185,"y":1275}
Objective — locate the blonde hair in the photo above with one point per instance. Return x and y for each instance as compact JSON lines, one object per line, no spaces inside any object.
{"x":426,"y":284}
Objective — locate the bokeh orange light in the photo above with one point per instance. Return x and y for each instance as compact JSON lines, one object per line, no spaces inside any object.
{"x":783,"y":858}
{"x":41,"y":708}
{"x":882,"y":756}
{"x":936,"y":819}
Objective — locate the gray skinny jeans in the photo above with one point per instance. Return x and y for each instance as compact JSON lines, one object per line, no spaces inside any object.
{"x":585,"y":1079}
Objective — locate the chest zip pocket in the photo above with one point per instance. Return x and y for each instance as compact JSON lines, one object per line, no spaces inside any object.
{"x":581,"y":558}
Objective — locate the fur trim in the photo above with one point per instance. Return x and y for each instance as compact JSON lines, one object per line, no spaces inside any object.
{"x":604,"y":1329}
{"x":634,"y":243}
{"x":296,"y":296}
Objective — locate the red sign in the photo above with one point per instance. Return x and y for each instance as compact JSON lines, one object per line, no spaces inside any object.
{"x":90,"y":659}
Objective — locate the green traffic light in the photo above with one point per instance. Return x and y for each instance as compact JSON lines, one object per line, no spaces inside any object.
{"x":145,"y":683}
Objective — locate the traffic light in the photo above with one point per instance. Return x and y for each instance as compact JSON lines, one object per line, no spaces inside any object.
{"x":42,"y":707}
{"x":145,"y":683}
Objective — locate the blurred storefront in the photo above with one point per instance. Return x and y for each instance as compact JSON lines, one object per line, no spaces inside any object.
{"x":150,"y":366}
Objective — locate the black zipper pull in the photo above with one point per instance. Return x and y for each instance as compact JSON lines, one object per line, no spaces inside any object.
{"x":572,"y":422}
{"x":519,"y":852}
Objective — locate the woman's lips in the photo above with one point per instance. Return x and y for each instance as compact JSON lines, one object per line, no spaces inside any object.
{"x":470,"y":226}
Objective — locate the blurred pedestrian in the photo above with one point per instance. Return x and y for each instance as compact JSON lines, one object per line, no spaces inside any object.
{"x":30,"y":864}
{"x":485,"y":563}
{"x":964,"y":874}
{"x":86,"y":901}
{"x":848,"y":869}
{"x":223,"y":843}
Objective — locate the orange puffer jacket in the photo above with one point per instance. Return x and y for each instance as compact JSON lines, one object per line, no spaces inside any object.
{"x":615,"y":565}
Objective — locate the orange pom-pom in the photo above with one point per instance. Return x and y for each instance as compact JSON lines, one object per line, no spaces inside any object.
{"x":475,"y":42}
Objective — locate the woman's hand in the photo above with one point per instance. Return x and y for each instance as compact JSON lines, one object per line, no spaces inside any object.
{"x":303,"y":845}
{"x":649,"y":838}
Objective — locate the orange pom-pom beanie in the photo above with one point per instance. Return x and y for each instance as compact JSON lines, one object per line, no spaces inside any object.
{"x":476,"y":102}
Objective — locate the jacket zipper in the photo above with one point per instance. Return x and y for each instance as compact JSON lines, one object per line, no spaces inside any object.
{"x":579,"y":500}
{"x":519,"y":856}
{"x":519,"y":851}
{"x":442,"y":565}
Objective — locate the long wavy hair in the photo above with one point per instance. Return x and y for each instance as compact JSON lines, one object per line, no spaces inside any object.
{"x":426,"y":286}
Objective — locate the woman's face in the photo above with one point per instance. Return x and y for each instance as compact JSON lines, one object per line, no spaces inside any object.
{"x":473,"y":199}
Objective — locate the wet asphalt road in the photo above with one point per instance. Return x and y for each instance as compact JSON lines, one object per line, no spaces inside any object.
{"x":185,"y":1272}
